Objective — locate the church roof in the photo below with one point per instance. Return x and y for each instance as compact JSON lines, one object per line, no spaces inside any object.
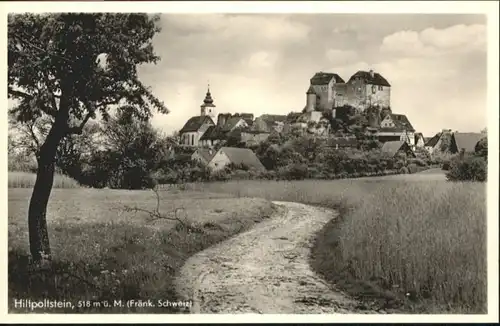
{"x":195,"y":123}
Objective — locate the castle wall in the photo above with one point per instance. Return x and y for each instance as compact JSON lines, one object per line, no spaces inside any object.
{"x":378,"y":95}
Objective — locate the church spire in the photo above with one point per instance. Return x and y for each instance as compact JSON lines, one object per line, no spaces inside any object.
{"x":208,"y":97}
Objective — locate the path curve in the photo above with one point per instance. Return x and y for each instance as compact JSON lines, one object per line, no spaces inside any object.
{"x":264,"y":270}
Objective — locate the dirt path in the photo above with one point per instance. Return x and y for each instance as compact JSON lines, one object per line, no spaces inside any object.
{"x":264,"y":270}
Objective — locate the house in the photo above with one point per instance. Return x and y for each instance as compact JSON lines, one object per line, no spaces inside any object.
{"x":227,"y":155}
{"x":368,"y":88}
{"x":255,"y":134}
{"x":203,"y":155}
{"x":440,"y":142}
{"x":396,"y":127}
{"x":393,"y":148}
{"x":226,"y":123}
{"x":274,"y":121}
{"x":465,"y":141}
{"x":419,"y":140}
{"x":196,"y":126}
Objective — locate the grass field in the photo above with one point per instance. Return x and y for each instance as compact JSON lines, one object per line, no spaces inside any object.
{"x":102,"y":252}
{"x":27,"y":180}
{"x":417,"y":243}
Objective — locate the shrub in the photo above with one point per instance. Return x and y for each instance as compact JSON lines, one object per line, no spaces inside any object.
{"x":470,"y":168}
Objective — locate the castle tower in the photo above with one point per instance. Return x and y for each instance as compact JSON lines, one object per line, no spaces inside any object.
{"x":311,"y":99}
{"x":208,"y":106}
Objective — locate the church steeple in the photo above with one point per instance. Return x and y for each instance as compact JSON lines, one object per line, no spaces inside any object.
{"x":208,"y":106}
{"x":208,"y":97}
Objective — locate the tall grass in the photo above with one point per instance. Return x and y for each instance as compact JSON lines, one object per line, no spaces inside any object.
{"x":423,"y":243}
{"x":27,"y":180}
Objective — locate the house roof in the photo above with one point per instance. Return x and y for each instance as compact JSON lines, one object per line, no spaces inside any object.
{"x":377,"y":78}
{"x":392,"y":147}
{"x":323,"y":78}
{"x":433,"y":140}
{"x":259,"y":126}
{"x":248,"y":117}
{"x":467,"y":140}
{"x":194,"y":123}
{"x":213,"y":133}
{"x":205,"y":153}
{"x":273,"y":117}
{"x":231,"y":123}
{"x":401,"y":123}
{"x":242,"y":156}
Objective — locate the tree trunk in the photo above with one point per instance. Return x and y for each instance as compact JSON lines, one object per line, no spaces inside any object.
{"x":37,"y":213}
{"x":37,"y":221}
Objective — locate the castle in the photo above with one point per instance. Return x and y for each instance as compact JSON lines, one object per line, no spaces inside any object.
{"x":364,"y":89}
{"x":326,"y":92}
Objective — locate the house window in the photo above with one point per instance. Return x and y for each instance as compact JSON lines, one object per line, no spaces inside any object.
{"x":380,"y":88}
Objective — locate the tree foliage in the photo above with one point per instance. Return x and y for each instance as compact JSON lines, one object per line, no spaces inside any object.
{"x":66,"y":68}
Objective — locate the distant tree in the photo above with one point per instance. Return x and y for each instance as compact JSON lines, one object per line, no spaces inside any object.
{"x":69,"y":67}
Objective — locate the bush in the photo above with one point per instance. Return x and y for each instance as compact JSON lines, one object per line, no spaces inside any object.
{"x":470,"y":168}
{"x":297,"y":171}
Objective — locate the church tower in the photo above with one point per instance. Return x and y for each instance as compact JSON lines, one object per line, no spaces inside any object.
{"x":208,"y":106}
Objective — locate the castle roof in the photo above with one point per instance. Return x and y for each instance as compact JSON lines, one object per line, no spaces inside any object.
{"x":377,"y":78}
{"x":195,"y":123}
{"x":323,"y":78}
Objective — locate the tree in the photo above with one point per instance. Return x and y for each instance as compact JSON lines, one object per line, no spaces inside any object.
{"x":68,"y":68}
{"x":134,"y":150}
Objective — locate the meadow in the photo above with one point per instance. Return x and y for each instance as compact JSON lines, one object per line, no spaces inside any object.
{"x":413,"y":243}
{"x":103,"y":251}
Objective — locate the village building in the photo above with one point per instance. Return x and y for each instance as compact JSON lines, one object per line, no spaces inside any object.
{"x":466,"y":141}
{"x":256,"y":134}
{"x":450,"y":142}
{"x":203,"y":155}
{"x":396,"y":127}
{"x":440,"y":142}
{"x":419,"y":140}
{"x":394,"y":148}
{"x":238,"y":156}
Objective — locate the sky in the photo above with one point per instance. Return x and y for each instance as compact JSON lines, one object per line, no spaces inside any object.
{"x":262,"y":63}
